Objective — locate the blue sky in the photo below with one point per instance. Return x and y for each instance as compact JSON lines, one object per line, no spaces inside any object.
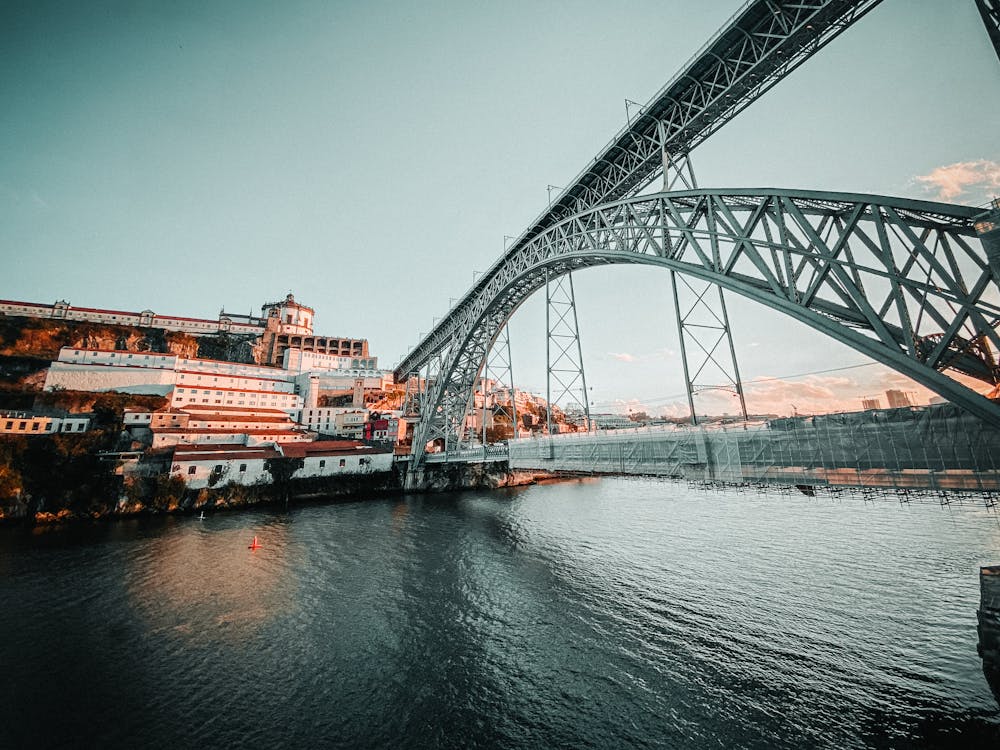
{"x":370,"y":156}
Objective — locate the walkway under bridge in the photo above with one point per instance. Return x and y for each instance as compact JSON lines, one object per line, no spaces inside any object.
{"x":934,"y":448}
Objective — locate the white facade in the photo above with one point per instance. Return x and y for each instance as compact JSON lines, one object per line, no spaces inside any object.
{"x":329,"y":418}
{"x":186,"y":436}
{"x":27,"y":423}
{"x":298,"y":360}
{"x":62,"y":310}
{"x":289,"y":402}
{"x":245,"y":466}
{"x":137,"y":418}
{"x":96,"y":378}
{"x":332,"y":464}
{"x":197,"y":381}
{"x":293,"y":317}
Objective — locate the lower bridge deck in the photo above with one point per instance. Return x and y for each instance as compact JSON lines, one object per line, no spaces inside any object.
{"x":934,"y":448}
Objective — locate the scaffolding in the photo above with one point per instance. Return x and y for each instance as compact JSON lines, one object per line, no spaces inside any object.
{"x":938,"y":449}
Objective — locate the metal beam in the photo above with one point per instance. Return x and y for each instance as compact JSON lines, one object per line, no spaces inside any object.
{"x":755,"y":49}
{"x":787,"y":244}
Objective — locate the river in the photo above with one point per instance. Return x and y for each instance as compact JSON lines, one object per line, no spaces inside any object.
{"x":601,"y":613}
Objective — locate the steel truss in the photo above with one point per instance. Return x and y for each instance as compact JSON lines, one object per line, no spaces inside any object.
{"x":499,"y":395}
{"x":702,"y":322}
{"x":706,"y":340}
{"x":990,"y":12}
{"x":897,"y":280}
{"x":759,"y":45}
{"x":563,"y":354}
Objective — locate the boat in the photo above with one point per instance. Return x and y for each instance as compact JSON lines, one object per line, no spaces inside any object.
{"x":202,"y":516}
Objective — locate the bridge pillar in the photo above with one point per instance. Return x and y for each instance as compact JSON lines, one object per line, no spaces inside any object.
{"x":989,"y":625}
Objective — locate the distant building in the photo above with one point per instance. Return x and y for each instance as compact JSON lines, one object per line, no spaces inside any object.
{"x":283,"y":325}
{"x":611,"y":421}
{"x":899,"y":399}
{"x":871,"y":403}
{"x":62,"y":310}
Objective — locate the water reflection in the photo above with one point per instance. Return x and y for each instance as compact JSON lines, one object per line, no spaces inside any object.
{"x":602,"y":614}
{"x":199,"y":579}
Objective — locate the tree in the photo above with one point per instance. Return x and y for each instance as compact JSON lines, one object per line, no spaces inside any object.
{"x":281,"y":469}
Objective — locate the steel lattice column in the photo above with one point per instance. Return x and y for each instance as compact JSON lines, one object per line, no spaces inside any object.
{"x":702,"y":319}
{"x":498,"y":384}
{"x":703,"y":329}
{"x":563,"y":354}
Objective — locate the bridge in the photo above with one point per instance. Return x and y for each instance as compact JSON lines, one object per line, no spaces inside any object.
{"x":914,"y":285}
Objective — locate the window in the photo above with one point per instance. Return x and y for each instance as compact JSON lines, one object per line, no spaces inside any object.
{"x":9,"y":426}
{"x":243,"y":467}
{"x":191,"y":469}
{"x":35,"y":426}
{"x":22,"y":425}
{"x":322,"y":463}
{"x":343,"y":462}
{"x":218,"y":467}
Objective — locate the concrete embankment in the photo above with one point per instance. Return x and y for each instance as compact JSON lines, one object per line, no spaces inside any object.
{"x":449,"y":477}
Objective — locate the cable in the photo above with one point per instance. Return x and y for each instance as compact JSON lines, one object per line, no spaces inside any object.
{"x":746,"y":384}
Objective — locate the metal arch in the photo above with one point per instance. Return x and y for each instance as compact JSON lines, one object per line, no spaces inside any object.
{"x":990,"y":12}
{"x":761,"y":43}
{"x":895,"y":279}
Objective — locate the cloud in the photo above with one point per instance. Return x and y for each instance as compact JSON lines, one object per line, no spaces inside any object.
{"x":657,"y":355}
{"x":622,"y":356}
{"x":952,"y":180}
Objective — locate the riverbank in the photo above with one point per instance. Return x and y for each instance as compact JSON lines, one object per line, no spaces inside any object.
{"x":164,"y":495}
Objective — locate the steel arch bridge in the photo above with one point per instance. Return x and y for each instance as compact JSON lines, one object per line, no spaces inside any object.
{"x":902,"y":281}
{"x":899,"y":280}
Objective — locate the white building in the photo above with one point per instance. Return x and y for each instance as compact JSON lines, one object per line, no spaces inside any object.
{"x":29,"y":423}
{"x":184,"y":380}
{"x":203,"y":466}
{"x":224,"y":426}
{"x":298,"y":361}
{"x":62,"y":310}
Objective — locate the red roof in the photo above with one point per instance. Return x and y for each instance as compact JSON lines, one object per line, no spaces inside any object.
{"x":205,"y":455}
{"x":117,"y":351}
{"x":263,"y":410}
{"x":229,"y":374}
{"x":239,"y":418}
{"x":188,"y":448}
{"x":220,"y":431}
{"x":329,"y":448}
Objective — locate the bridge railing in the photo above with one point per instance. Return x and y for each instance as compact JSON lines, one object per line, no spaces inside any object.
{"x":938,"y":448}
{"x":484,"y":453}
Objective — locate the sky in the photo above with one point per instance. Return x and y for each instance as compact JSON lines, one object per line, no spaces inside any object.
{"x":371,"y":156}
